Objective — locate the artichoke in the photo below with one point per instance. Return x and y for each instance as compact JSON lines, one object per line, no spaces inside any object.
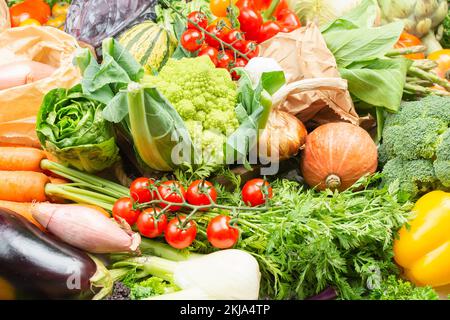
{"x":70,"y":126}
{"x":420,"y":16}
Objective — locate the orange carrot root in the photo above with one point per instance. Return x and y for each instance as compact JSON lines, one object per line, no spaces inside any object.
{"x":23,"y":186}
{"x":21,"y":159}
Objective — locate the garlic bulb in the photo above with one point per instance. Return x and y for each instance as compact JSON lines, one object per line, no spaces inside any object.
{"x":283,"y":137}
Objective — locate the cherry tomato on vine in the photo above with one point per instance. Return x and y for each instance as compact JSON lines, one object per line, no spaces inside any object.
{"x":239,"y":63}
{"x":288,"y":21}
{"x":236,"y":38}
{"x":172,"y":191}
{"x":30,"y":9}
{"x":151,"y":223}
{"x":219,"y":7}
{"x":251,"y":49}
{"x":139,"y":190}
{"x":250,"y":21}
{"x":192,"y":40}
{"x":255,"y":192}
{"x":123,"y":209}
{"x":269,"y":29}
{"x":217,"y":31}
{"x":179,"y":236}
{"x":220,"y":234}
{"x":199,"y":18}
{"x":225,"y":59}
{"x":198,"y":191}
{"x":211,"y":52}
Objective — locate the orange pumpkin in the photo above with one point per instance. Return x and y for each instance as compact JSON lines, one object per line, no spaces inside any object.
{"x":337,"y":155}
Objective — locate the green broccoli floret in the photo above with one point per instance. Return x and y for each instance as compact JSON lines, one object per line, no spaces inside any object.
{"x":442,"y":162}
{"x":416,"y":146}
{"x":204,"y":96}
{"x":445,"y":41}
{"x":414,"y":176}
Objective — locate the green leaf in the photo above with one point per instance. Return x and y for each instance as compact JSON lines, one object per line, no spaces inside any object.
{"x":117,"y":109}
{"x":157,"y":129}
{"x":273,"y":81}
{"x":362,"y":43}
{"x":364,"y":15}
{"x":113,"y":49}
{"x":378,"y":82}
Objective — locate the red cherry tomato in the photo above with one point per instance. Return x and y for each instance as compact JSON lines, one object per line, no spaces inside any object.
{"x":199,"y":18}
{"x":236,"y":38}
{"x":139,"y":190}
{"x":288,"y":21}
{"x":251,"y":49}
{"x":220,"y":234}
{"x":180,"y":237}
{"x":225,"y":59}
{"x":218,"y":31}
{"x":172,"y":191}
{"x":192,"y":40}
{"x":244,"y":4}
{"x":123,"y":209}
{"x":250,"y":21}
{"x":256,"y":192}
{"x":30,"y":9}
{"x":198,"y":191}
{"x":211,"y":52}
{"x":268,"y":30}
{"x":239,"y":63}
{"x":151,"y":223}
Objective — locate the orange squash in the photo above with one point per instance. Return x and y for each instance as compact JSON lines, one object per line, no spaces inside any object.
{"x":337,"y":155}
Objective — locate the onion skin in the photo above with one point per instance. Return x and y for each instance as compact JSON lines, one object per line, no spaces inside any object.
{"x":85,"y":228}
{"x":24,"y":72}
{"x":337,"y":155}
{"x":288,"y":131}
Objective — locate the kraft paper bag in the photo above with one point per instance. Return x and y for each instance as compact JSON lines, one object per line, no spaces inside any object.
{"x":46,"y":45}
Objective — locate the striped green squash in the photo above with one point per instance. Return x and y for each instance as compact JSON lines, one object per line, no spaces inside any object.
{"x":150,"y":44}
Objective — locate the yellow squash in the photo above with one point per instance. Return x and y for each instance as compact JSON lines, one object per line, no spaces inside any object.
{"x":423,"y":248}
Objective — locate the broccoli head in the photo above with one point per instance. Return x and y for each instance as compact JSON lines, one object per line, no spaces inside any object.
{"x":416,"y":146}
{"x":205,"y":97}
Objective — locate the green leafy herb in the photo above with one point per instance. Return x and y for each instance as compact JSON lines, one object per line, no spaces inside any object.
{"x":397,"y":289}
{"x":150,"y":287}
{"x":308,"y":241}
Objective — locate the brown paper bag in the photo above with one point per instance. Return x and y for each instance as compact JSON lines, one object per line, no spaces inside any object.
{"x":5,"y":22}
{"x":42,"y":44}
{"x":303,"y":54}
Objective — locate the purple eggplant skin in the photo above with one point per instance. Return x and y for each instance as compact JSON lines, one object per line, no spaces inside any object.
{"x":327,"y":294}
{"x":38,"y":266}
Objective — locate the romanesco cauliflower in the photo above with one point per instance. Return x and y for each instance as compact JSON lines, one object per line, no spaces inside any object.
{"x":205,"y":97}
{"x":416,"y":146}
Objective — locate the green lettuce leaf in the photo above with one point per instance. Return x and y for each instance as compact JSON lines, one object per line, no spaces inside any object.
{"x":71,"y":127}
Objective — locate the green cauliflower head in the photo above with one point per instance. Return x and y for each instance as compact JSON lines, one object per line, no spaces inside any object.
{"x":205,"y":97}
{"x":416,"y":146}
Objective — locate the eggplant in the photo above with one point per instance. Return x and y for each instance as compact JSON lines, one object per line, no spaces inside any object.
{"x":35,"y":265}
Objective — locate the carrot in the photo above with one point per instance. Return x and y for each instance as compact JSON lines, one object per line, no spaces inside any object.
{"x":20,"y":159}
{"x":21,"y":133}
{"x":23,"y":186}
{"x":22,"y":208}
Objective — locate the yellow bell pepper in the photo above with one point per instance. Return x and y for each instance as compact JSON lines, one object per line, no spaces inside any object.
{"x":423,"y":248}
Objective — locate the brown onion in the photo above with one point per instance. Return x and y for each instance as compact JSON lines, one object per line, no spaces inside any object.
{"x":283,"y":137}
